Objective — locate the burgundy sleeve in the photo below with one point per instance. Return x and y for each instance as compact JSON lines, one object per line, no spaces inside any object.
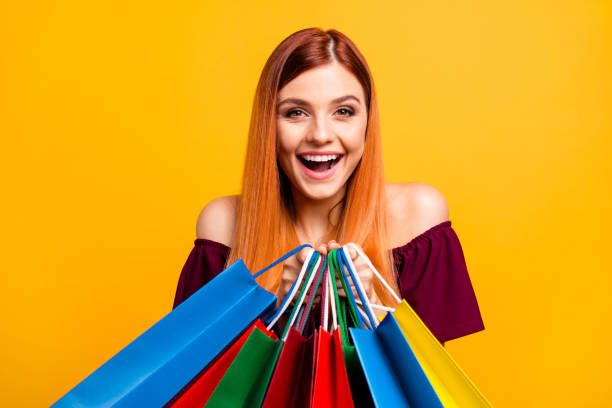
{"x":434,"y":280}
{"x":206,"y":260}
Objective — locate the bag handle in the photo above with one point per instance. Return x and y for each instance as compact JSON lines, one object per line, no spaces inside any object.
{"x":357,"y":317}
{"x":375,"y":306}
{"x":359,"y":287}
{"x":335,"y":268}
{"x":332,"y":303}
{"x":365,"y":301}
{"x":282,"y":258}
{"x":303,"y":292}
{"x":373,"y":269}
{"x":311,"y":297}
{"x":324,"y":300}
{"x":341,"y":307}
{"x":267,"y":320}
{"x":336,"y":300}
{"x":294,"y":287}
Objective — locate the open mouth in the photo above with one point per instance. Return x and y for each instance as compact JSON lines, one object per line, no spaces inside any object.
{"x":320,"y":163}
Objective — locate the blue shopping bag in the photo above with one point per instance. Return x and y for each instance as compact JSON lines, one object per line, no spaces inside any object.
{"x":393,"y":373}
{"x":154,"y":367}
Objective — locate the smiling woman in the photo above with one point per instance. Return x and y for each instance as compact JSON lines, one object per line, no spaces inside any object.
{"x":314,"y":174}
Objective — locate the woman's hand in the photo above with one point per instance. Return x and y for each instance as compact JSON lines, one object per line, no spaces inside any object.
{"x":365,"y":274}
{"x":291,"y":269}
{"x":293,"y":266}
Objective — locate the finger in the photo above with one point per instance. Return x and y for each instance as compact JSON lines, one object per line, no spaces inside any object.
{"x":340,"y":290}
{"x":352,"y":287}
{"x":322,"y":249}
{"x":284,"y":290}
{"x":282,"y":296}
{"x":354,"y":292}
{"x":352,"y":253}
{"x":301,"y":255}
{"x":333,"y":245}
{"x":373,"y":295}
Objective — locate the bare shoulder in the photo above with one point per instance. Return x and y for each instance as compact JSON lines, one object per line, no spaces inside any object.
{"x":217,"y":220}
{"x":413,"y":208}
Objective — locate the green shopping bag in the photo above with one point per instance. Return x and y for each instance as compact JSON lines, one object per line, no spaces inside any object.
{"x":245,"y":382}
{"x":359,"y":385}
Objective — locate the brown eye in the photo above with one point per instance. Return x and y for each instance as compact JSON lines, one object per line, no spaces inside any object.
{"x":345,"y":112}
{"x":289,"y":113}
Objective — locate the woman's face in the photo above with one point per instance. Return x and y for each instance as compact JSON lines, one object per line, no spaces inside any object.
{"x":321,"y":123}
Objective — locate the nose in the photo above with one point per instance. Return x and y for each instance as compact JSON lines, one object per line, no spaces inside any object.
{"x":321,"y":131}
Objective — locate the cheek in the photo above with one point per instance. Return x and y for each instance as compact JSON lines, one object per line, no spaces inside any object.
{"x":286,"y":147}
{"x":354,"y":142}
{"x":357,"y":147}
{"x":281,"y":138}
{"x":290,"y":135}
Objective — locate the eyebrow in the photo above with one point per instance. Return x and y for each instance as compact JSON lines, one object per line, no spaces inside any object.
{"x":299,"y":101}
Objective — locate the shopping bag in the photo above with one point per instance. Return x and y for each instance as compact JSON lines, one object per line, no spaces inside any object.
{"x":160,"y":362}
{"x":452,"y":385}
{"x":307,"y":370}
{"x":331,"y":384}
{"x":305,"y":390}
{"x":359,"y":387}
{"x":357,"y":381}
{"x":287,"y":381}
{"x":394,"y":375}
{"x":283,"y":386}
{"x":202,"y":388}
{"x":200,"y":391}
{"x":350,"y":317}
{"x":245,"y":382}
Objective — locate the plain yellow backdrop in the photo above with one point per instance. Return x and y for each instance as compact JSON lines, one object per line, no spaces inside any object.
{"x":120,"y":120}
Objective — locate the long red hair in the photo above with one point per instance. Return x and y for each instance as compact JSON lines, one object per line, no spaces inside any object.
{"x":265,"y":220}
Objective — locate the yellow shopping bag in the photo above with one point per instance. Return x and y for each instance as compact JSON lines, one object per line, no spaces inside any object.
{"x":452,"y":386}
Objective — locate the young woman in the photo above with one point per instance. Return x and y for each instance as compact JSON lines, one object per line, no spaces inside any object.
{"x":314,"y":174}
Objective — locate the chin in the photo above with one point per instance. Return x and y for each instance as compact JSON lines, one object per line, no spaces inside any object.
{"x":320,"y":192}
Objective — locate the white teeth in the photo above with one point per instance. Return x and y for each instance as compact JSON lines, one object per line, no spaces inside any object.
{"x":320,"y":157}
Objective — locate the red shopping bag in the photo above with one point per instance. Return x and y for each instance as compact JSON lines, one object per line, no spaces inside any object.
{"x":285,"y":381}
{"x":198,"y":393}
{"x":291,"y":382}
{"x":331,"y":385}
{"x":307,"y":373}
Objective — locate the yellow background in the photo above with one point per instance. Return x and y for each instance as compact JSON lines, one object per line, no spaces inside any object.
{"x":120,"y":120}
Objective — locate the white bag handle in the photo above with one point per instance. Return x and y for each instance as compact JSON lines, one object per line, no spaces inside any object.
{"x":332,"y":302}
{"x":375,"y":306}
{"x":362,"y":313}
{"x":325,"y":299}
{"x":370,"y":307}
{"x":294,"y":291}
{"x":376,"y":273}
{"x":298,"y":304}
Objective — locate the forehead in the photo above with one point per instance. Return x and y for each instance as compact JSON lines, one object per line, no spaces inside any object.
{"x":322,"y":84}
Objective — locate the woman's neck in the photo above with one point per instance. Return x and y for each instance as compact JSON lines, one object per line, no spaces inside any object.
{"x":313,"y":216}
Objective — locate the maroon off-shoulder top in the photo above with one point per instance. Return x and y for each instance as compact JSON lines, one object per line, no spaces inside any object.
{"x":431,"y":270}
